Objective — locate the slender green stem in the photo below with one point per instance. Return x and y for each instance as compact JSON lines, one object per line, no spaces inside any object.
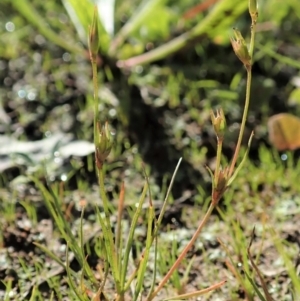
{"x":252,"y":40}
{"x":103,"y":195}
{"x":130,"y":238}
{"x":110,"y":243}
{"x":241,"y":134}
{"x":184,"y":252}
{"x":247,"y":101}
{"x":218,"y":163}
{"x":118,"y":239}
{"x":96,"y":99}
{"x":154,"y":270}
{"x":100,"y":171}
{"x":143,"y":266}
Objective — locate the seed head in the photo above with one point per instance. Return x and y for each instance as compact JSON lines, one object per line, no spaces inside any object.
{"x":94,"y":37}
{"x":253,"y":11}
{"x":219,"y":123}
{"x":103,"y":144}
{"x":240,"y":48}
{"x":220,"y":185}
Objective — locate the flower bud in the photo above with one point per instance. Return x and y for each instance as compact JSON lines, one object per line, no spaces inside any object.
{"x":220,"y":185}
{"x":253,"y":10}
{"x":219,"y":123}
{"x":94,"y":37}
{"x":240,"y":48}
{"x":103,"y":144}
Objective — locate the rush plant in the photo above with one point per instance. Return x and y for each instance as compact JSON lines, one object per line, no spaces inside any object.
{"x":222,"y":178}
{"x":116,"y":244}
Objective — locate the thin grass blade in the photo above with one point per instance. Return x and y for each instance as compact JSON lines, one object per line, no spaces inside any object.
{"x":131,"y":234}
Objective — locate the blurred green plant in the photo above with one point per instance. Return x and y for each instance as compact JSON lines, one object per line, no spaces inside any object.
{"x":150,"y":23}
